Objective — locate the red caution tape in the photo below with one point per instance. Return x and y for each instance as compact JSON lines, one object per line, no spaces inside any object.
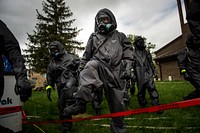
{"x":181,"y":104}
{"x":7,"y":110}
{"x":24,"y":117}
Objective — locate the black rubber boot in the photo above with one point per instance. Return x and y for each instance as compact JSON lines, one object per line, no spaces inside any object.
{"x":66,"y":126}
{"x":155,"y":102}
{"x":115,"y":128}
{"x":78,"y":108}
{"x":192,"y":95}
{"x":132,"y":90}
{"x":96,"y":101}
{"x":143,"y":104}
{"x":98,"y":111}
{"x":127,"y":100}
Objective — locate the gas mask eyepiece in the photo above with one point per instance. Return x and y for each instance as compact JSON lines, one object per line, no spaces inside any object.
{"x":104,"y":23}
{"x":54,"y":51}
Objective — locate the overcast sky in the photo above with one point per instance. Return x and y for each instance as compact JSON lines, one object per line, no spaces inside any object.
{"x":157,"y":20}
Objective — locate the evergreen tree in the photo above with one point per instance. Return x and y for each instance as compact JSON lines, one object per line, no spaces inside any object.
{"x":54,"y":25}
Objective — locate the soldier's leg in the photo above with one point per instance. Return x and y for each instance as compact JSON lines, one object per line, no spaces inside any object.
{"x":63,"y":102}
{"x":132,"y":87}
{"x":196,"y":93}
{"x":154,"y":95}
{"x":97,"y":99}
{"x":153,"y":92}
{"x":116,"y":104}
{"x":89,"y":79}
{"x":141,"y":94}
{"x":61,"y":105}
{"x":66,"y":99}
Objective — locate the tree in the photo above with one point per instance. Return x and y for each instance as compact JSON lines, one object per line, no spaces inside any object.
{"x":149,"y":44}
{"x":56,"y":25}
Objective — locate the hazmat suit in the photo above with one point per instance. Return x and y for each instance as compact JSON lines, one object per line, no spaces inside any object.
{"x":106,"y":62}
{"x":145,"y":72}
{"x":131,"y":84}
{"x":97,"y":98}
{"x":189,"y":64}
{"x":193,"y":17}
{"x":9,"y":47}
{"x":62,"y":73}
{"x":188,"y":58}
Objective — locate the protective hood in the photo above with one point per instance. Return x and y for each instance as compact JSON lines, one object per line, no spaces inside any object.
{"x":112,"y":19}
{"x":139,"y":43}
{"x":56,"y":49}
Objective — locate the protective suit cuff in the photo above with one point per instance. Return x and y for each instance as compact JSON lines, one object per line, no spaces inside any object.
{"x":49,"y":87}
{"x":183,"y":71}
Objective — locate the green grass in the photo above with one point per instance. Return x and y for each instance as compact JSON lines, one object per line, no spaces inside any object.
{"x":171,"y":121}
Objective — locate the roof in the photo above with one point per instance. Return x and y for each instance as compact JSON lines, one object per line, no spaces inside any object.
{"x":172,"y":48}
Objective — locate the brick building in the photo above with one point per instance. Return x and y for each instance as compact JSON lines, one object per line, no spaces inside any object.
{"x":166,"y":57}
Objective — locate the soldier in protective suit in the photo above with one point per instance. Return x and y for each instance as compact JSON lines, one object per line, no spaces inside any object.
{"x":145,"y":72}
{"x":189,"y":57}
{"x":9,"y":47}
{"x":62,"y":72}
{"x":106,"y":62}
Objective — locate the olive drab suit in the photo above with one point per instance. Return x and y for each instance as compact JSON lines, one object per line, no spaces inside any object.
{"x":62,"y":72}
{"x":9,"y":47}
{"x":145,"y":72}
{"x":189,"y":57}
{"x":106,"y":62}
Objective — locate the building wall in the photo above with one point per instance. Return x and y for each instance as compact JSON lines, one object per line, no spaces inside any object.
{"x":168,"y":65}
{"x":169,"y":70}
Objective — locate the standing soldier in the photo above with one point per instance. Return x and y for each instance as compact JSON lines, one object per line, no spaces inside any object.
{"x":106,"y":62}
{"x":62,"y":72}
{"x":189,"y":57}
{"x":145,"y":72}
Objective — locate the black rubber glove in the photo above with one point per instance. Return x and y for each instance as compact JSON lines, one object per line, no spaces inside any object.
{"x":185,"y":74}
{"x":48,"y":88}
{"x":24,"y":89}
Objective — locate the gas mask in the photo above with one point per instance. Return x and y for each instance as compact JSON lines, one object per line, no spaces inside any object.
{"x":104,"y":23}
{"x":55,"y":52}
{"x":139,"y":42}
